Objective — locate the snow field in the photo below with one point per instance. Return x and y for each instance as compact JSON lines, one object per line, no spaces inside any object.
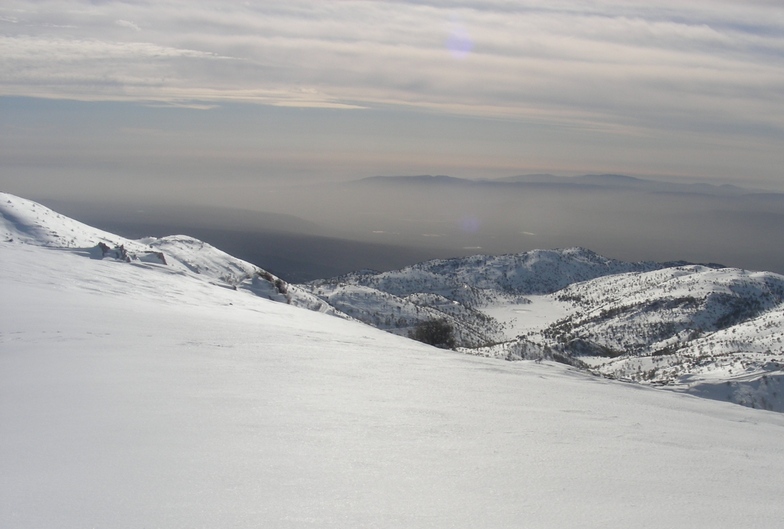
{"x":135,"y":397}
{"x":535,"y":316}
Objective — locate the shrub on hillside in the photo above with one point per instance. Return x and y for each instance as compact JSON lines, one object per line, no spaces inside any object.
{"x":435,"y":332}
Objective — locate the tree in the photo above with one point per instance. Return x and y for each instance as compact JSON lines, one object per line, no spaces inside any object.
{"x":435,"y":332}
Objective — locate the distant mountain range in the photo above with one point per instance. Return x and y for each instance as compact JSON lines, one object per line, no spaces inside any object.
{"x":705,"y":329}
{"x":606,"y":181}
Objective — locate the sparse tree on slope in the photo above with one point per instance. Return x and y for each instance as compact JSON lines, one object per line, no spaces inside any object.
{"x":435,"y":332}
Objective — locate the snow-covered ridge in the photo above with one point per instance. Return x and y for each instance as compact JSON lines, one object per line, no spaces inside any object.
{"x":528,"y":273}
{"x":461,"y":290}
{"x":23,"y":221}
{"x":690,"y":328}
{"x":27,"y":222}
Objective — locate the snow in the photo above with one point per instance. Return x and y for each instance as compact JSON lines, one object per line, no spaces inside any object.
{"x":138,"y":395}
{"x":522,"y":318}
{"x":28,"y":223}
{"x":25,"y":221}
{"x":687,"y":328}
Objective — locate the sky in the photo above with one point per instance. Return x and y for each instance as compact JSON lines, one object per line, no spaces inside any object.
{"x":181,"y":98}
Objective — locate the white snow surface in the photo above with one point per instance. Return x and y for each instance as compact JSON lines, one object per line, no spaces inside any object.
{"x":522,"y":318}
{"x":132,"y":396}
{"x":23,"y":221}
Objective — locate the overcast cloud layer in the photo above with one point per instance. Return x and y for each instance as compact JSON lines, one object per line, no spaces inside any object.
{"x":620,"y":65}
{"x":709,"y":73}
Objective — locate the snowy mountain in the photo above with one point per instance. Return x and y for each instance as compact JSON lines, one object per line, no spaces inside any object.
{"x":456,"y":290}
{"x":707,"y":330}
{"x":671,"y":324}
{"x":135,"y":393}
{"x":535,"y":272}
{"x":29,"y":223}
{"x":690,"y":327}
{"x":713,"y":332}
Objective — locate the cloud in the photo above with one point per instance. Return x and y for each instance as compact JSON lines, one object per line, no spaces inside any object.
{"x":127,"y":24}
{"x":625,"y":68}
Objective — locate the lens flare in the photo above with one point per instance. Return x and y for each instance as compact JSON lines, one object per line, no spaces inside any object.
{"x":459,"y":42}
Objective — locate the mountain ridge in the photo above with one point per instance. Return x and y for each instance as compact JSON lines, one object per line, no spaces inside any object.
{"x":598,"y":181}
{"x":26,"y":222}
{"x":679,"y":325}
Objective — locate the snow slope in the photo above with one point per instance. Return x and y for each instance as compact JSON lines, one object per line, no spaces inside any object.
{"x":132,"y":396}
{"x":26,"y":222}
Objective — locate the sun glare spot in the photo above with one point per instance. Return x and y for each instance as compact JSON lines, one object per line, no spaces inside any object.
{"x":459,"y":42}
